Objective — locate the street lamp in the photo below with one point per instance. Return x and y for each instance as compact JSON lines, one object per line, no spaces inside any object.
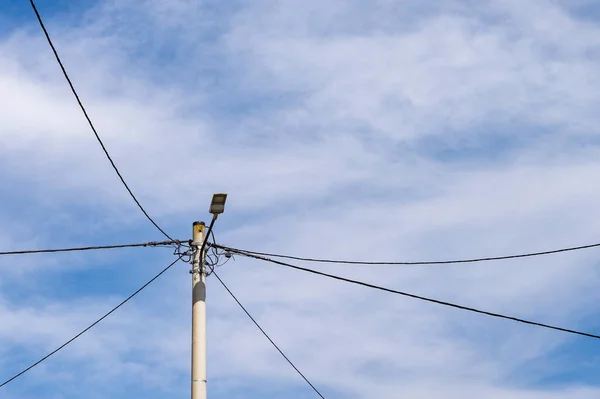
{"x":217,"y":206}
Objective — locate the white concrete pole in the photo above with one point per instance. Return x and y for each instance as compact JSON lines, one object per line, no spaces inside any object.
{"x":198,"y":315}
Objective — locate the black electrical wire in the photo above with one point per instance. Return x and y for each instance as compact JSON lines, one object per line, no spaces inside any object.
{"x":75,"y":249}
{"x":90,"y":326}
{"x":210,"y":227}
{"x":422,"y":298}
{"x":64,"y":71}
{"x":267,"y":336}
{"x":437,"y":262}
{"x":215,"y":256}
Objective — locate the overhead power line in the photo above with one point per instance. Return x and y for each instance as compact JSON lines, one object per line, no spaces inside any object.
{"x":76,"y":249}
{"x":435,"y":262}
{"x":64,"y":71}
{"x":267,"y":336}
{"x":90,"y":326}
{"x":422,"y":298}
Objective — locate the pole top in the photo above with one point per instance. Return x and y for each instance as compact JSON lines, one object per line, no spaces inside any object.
{"x":199,"y":223}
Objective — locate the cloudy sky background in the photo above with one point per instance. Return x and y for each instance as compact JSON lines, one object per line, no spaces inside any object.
{"x":380,"y":130}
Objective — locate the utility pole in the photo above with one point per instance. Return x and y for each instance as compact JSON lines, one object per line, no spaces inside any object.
{"x":199,"y":273}
{"x":198,"y":313}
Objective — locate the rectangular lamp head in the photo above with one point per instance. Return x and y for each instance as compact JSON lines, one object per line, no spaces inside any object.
{"x":217,"y":206}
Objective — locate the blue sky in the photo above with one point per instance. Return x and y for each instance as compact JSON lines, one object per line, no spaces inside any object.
{"x":356,"y":129}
